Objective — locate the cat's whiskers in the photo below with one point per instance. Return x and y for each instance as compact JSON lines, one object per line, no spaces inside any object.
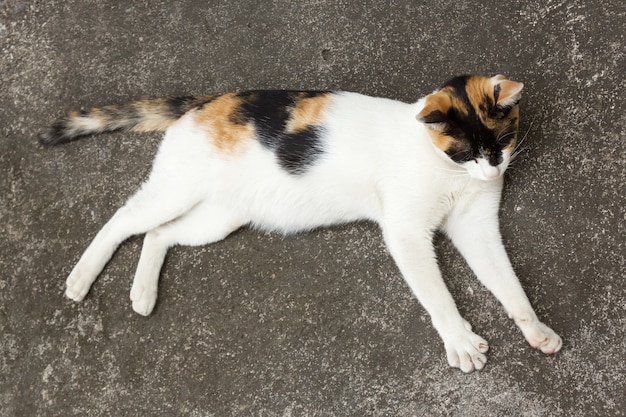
{"x":501,"y":137}
{"x":518,"y":151}
{"x":518,"y":146}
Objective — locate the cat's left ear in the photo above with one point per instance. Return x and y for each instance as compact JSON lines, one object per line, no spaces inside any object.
{"x":433,"y":114}
{"x":507,"y":93}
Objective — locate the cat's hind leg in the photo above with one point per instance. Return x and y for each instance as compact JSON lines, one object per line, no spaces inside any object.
{"x":159,"y":201}
{"x":203,"y":224}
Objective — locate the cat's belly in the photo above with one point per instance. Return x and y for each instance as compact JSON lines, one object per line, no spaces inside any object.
{"x":270,"y":199}
{"x":291,"y":209}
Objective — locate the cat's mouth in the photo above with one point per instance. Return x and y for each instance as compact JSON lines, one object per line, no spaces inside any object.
{"x":481,"y":169}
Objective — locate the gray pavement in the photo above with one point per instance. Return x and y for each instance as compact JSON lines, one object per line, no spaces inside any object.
{"x":320,"y":324}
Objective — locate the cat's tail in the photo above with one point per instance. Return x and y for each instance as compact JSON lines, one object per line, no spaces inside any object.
{"x":148,"y":115}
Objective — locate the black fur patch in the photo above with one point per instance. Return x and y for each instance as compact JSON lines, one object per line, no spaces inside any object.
{"x":270,"y":112}
{"x":56,"y":134}
{"x":178,"y":106}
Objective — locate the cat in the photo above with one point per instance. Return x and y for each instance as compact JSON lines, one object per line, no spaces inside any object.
{"x":293,"y":161}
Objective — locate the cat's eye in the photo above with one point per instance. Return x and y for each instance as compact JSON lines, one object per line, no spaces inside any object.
{"x":500,"y":112}
{"x":505,"y":139}
{"x":461,"y":157}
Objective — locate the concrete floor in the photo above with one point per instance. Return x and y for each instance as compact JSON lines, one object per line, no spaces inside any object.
{"x":320,"y":324}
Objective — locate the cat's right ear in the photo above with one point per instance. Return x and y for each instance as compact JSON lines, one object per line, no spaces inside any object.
{"x":433,"y":114}
{"x":507,"y":93}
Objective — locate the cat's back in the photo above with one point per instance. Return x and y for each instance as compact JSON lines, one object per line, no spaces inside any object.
{"x":382,"y":133}
{"x":368,"y":115}
{"x":300,"y":128}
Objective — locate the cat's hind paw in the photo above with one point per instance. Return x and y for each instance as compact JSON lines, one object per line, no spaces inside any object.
{"x":144,"y":299}
{"x":77,"y":286}
{"x":466,"y":351}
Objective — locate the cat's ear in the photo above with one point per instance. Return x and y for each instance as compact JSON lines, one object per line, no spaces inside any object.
{"x":506,"y":92}
{"x":433,"y":114}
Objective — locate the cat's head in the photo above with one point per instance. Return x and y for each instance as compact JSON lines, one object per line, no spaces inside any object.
{"x":473,"y":120}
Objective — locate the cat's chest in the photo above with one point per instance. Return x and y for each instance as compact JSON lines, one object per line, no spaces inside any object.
{"x":437,"y":206}
{"x":430,"y":201}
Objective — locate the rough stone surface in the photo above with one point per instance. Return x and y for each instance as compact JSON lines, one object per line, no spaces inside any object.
{"x":320,"y":324}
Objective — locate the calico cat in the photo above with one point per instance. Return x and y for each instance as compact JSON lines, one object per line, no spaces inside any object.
{"x":292,"y":161}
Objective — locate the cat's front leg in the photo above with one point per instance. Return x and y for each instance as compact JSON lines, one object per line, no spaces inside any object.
{"x":415,"y":256}
{"x":474,"y":231}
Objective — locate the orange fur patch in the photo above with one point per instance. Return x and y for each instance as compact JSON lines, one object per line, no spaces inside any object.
{"x":443,"y":142}
{"x":307,"y":112}
{"x":219,"y":116}
{"x":154,"y":115}
{"x":438,"y":101}
{"x":450,"y":101}
{"x":478,"y":90}
{"x":94,"y":119}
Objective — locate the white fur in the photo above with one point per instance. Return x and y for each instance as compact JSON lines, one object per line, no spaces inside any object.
{"x":378,"y":165}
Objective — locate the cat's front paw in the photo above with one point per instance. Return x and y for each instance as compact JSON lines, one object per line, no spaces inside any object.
{"x":540,"y":336}
{"x":77,"y":285}
{"x":143,"y":298}
{"x":466,"y":350}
